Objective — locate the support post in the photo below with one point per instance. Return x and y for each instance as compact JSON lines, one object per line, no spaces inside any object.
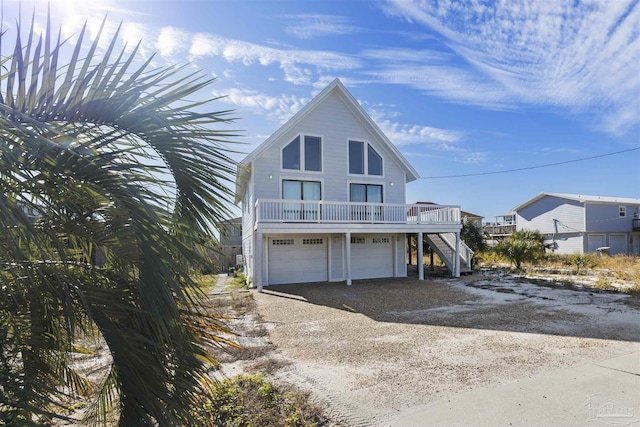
{"x":431,"y":257}
{"x":258,"y":260}
{"x":456,"y":272}
{"x":420,"y":261}
{"x":395,"y":256}
{"x":347,"y":254}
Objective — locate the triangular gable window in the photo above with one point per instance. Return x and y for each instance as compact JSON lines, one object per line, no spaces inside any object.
{"x":359,"y":157}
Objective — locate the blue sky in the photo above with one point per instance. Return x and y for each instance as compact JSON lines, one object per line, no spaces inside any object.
{"x":460,"y":87}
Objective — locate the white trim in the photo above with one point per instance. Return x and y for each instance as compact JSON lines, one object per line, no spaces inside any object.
{"x":622,"y":210}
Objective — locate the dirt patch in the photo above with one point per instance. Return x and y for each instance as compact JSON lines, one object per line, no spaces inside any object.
{"x":372,"y":351}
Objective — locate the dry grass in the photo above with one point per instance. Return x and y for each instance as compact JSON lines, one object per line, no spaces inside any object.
{"x":268,"y":366}
{"x":606,"y":270}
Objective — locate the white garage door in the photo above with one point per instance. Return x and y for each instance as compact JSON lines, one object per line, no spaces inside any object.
{"x":618,"y":244}
{"x":595,"y":241}
{"x":371,"y":257}
{"x":297,"y":259}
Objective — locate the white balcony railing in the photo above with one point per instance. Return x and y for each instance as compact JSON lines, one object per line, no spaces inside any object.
{"x":346,"y":212}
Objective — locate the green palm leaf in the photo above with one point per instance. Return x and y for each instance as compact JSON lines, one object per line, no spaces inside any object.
{"x":108,"y":157}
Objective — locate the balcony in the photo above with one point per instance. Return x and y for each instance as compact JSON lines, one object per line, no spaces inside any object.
{"x":499,"y":230}
{"x":636,"y":224}
{"x":325,"y":212}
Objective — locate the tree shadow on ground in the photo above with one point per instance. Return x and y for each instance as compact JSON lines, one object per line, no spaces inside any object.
{"x":478,"y":304}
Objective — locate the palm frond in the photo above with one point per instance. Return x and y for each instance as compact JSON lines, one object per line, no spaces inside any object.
{"x":111,"y":156}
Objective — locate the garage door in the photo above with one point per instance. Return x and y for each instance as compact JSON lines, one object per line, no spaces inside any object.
{"x":595,"y":241}
{"x":371,"y":256}
{"x":618,"y":244}
{"x":297,"y":259}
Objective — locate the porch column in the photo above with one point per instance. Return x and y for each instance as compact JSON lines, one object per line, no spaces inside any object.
{"x":456,"y":270}
{"x":395,"y":256}
{"x":347,"y":256}
{"x":258,"y":260}
{"x":420,"y":261}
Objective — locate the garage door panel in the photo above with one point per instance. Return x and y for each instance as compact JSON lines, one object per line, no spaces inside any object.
{"x":297,"y":260}
{"x":371,"y":257}
{"x":595,"y":241}
{"x":618,"y":244}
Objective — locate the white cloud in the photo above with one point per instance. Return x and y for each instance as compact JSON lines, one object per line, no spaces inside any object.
{"x":280,"y":108}
{"x":405,"y":55}
{"x":205,"y":44}
{"x":583,"y":57}
{"x":402,"y":134}
{"x":172,"y":41}
{"x":405,"y":134}
{"x":308,"y":26}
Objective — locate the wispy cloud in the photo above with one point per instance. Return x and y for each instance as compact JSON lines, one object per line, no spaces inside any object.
{"x":385,"y":54}
{"x":405,"y":134}
{"x":206,"y":44}
{"x":280,"y":108}
{"x":582,"y":57}
{"x":308,"y":26}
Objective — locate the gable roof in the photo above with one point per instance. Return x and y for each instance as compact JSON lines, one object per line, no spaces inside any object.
{"x":335,"y":86}
{"x":582,"y":199}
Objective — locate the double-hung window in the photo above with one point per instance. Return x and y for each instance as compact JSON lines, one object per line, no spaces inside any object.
{"x":364,"y":159}
{"x":301,"y":190}
{"x":622,"y":211}
{"x":303,"y":153}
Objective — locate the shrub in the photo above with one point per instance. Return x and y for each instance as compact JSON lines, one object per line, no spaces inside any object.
{"x":582,"y":260}
{"x":522,"y":246}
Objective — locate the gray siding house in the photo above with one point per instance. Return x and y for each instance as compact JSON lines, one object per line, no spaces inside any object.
{"x":323,"y":199}
{"x":576,"y":223}
{"x":230,"y":245}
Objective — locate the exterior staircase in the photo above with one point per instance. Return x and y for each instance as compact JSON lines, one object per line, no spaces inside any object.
{"x":444,"y":245}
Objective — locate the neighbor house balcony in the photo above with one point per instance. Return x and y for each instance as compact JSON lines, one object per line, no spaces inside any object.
{"x":293,"y":212}
{"x":498,"y":230}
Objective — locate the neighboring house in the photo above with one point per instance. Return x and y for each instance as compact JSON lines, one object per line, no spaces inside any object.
{"x":503,"y":226}
{"x":230,"y":243}
{"x":578,"y":224}
{"x":323,"y":199}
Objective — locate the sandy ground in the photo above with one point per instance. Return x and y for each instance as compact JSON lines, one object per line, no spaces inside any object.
{"x":372,"y":352}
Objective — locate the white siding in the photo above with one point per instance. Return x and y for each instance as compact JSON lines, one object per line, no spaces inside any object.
{"x":567,"y":243}
{"x":248,"y":221}
{"x":336,"y":124}
{"x":551,"y":215}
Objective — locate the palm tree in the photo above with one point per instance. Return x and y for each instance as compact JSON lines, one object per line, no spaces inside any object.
{"x":523,"y":246}
{"x":102,"y":156}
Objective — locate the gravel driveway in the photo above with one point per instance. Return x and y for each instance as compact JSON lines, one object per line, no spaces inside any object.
{"x":373,"y":351}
